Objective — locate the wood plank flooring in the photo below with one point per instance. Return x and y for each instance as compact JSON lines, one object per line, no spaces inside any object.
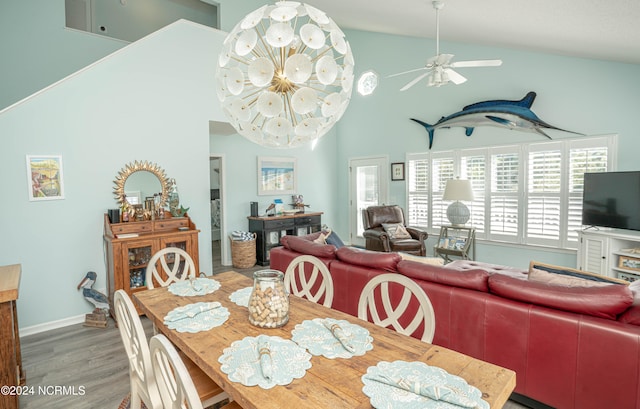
{"x":89,"y":362}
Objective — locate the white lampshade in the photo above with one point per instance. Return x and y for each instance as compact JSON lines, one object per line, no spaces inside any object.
{"x":291,"y":52}
{"x":456,"y":189}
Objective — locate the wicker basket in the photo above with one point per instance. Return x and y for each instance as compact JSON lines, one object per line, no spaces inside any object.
{"x":243,"y":253}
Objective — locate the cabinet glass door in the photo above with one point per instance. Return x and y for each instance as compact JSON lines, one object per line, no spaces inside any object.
{"x":137,"y":260}
{"x":170,"y":258}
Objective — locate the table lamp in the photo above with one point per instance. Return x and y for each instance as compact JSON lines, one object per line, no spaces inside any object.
{"x":456,"y":189}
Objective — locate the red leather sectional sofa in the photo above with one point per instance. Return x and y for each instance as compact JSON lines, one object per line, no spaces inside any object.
{"x":571,"y":348}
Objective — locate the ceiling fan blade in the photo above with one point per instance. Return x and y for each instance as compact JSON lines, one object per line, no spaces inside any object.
{"x":443,"y":59}
{"x":407,"y":72}
{"x":454,"y":76}
{"x":414,"y":82}
{"x":478,"y":63}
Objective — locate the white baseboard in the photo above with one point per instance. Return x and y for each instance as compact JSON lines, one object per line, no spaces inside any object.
{"x":48,"y":326}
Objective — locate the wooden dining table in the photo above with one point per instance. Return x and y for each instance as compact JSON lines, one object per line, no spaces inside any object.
{"x":329,"y":383}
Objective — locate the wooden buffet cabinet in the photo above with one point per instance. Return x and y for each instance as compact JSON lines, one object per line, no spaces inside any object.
{"x":11,"y":373}
{"x":129,"y":246}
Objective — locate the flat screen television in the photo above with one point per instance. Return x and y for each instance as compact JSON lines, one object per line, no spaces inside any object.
{"x":612,"y":199}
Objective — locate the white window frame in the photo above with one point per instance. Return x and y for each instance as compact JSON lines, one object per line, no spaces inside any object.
{"x":566,"y":239}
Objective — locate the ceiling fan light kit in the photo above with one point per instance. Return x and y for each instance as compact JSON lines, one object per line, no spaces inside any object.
{"x":439,"y":68}
{"x":285,"y":75}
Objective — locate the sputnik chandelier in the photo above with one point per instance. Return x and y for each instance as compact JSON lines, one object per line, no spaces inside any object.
{"x":285,"y":75}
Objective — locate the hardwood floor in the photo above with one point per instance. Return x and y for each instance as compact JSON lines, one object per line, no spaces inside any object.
{"x":85,"y":367}
{"x":89,"y":362}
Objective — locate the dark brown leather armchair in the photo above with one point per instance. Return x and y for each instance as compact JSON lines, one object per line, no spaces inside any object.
{"x":378,"y":239}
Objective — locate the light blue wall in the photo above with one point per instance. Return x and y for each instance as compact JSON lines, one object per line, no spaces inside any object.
{"x":141,"y":103}
{"x":317,"y":175}
{"x":37,"y":50}
{"x":587,"y":96}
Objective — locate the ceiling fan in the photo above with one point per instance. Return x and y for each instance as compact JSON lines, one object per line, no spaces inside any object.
{"x":439,"y":69}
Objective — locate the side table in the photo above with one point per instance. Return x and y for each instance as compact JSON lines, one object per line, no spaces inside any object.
{"x":457,"y":242}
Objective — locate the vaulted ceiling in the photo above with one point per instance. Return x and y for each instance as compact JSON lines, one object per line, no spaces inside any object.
{"x":600,"y":29}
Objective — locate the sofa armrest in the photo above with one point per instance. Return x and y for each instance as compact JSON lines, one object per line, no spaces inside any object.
{"x":417,"y":233}
{"x":378,"y":234}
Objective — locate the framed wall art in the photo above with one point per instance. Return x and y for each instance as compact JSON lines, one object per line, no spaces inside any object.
{"x":44,"y":173}
{"x":277,"y":176}
{"x":397,"y":171}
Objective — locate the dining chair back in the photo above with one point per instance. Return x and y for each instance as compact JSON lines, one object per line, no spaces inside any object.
{"x":394,"y":300}
{"x":308,"y":277}
{"x":174,"y":382}
{"x":144,"y":385}
{"x":176,"y":265}
{"x":142,"y":379}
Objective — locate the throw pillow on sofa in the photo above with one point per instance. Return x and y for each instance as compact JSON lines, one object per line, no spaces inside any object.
{"x":436,"y":261}
{"x":328,"y":236}
{"x":543,"y":276}
{"x":334,"y":239}
{"x":396,"y":231}
{"x":567,"y":272}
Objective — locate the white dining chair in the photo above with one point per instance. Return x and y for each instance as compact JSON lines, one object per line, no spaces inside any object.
{"x":141,"y":377}
{"x":143,"y":381}
{"x":174,"y":382}
{"x":384,"y":312}
{"x":312,"y":285}
{"x":176,"y":265}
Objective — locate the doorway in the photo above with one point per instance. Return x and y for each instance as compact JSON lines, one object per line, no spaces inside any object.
{"x":368,"y":186}
{"x":216,"y":182}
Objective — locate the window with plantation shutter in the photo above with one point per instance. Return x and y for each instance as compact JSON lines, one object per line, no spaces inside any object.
{"x":418,"y":190}
{"x":442,"y":169}
{"x":544,"y":188}
{"x":525,"y":194}
{"x":473,"y":168}
{"x":503,"y":196}
{"x":585,"y":156}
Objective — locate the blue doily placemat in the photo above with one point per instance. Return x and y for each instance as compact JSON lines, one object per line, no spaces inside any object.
{"x":198,"y":286}
{"x":241,"y":296}
{"x":386,"y":396}
{"x":201,"y":316}
{"x":241,"y":361}
{"x":316,"y":336}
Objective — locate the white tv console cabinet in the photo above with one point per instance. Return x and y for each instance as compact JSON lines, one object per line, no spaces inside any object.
{"x":611,"y":252}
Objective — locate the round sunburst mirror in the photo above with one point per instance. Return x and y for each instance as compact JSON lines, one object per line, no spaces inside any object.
{"x":138,"y":180}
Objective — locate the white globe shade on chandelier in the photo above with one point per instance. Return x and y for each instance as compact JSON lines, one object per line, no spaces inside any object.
{"x":285,"y":75}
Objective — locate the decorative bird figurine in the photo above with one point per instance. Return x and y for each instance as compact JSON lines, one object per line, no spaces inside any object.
{"x":271,"y":207}
{"x":99,"y":300}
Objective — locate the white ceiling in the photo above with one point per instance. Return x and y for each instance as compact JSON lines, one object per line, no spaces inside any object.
{"x":600,"y":29}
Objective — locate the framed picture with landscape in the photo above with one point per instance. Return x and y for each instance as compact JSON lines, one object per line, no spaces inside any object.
{"x":277,"y":176}
{"x":44,"y":175}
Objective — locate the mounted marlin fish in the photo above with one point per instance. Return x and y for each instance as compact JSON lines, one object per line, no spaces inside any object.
{"x":515,"y":115}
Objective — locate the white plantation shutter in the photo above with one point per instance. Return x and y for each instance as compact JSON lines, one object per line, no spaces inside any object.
{"x":585,"y":156}
{"x":418,"y":190}
{"x":473,"y":168}
{"x":504,"y":196}
{"x":544,"y":190}
{"x":528,"y":194}
{"x":442,"y":169}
